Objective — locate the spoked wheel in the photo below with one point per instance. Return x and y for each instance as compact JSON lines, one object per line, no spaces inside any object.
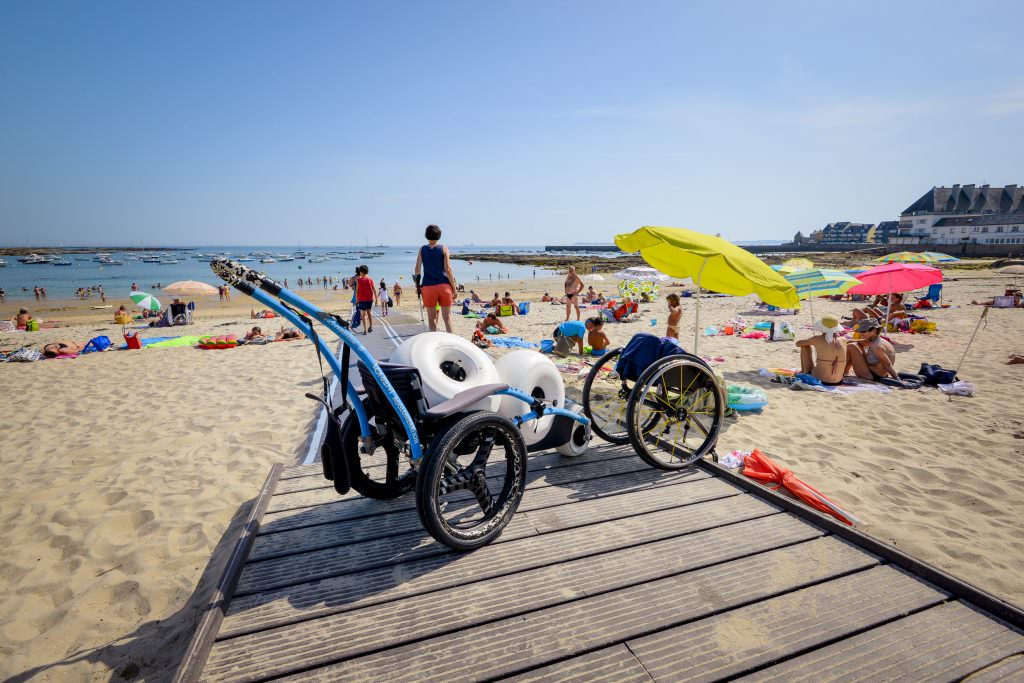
{"x":457,"y":502}
{"x":675,"y":412}
{"x":605,"y":395}
{"x":384,"y":473}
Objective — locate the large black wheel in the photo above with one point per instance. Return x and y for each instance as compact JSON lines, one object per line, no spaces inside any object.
{"x":461,"y":502}
{"x":383,"y":473}
{"x":605,"y":395}
{"x":675,"y":412}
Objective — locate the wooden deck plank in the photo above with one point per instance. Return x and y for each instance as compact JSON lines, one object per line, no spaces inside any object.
{"x":615,"y":664}
{"x":332,"y":561}
{"x":535,"y":478}
{"x":1008,"y":670}
{"x":350,"y":591}
{"x":539,"y":461}
{"x":944,"y":643}
{"x":739,"y":640}
{"x":510,"y":645}
{"x":320,"y":641}
{"x":290,"y":540}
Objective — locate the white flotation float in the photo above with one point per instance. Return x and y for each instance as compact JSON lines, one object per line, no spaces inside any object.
{"x":448,"y":365}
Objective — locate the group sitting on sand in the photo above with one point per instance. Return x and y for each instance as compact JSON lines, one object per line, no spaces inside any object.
{"x":829,"y":357}
{"x":572,"y":332}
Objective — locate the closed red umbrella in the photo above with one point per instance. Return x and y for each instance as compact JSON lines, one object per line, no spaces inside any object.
{"x":759,"y":466}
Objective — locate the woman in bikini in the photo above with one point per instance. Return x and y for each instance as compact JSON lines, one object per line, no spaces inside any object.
{"x":824,"y":355}
{"x":872,"y":357}
{"x":675,"y":314}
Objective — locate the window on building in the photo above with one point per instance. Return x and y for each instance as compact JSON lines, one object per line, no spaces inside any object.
{"x":999,"y":228}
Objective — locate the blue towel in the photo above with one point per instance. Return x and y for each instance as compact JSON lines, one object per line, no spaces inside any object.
{"x":511,"y":342}
{"x":809,"y":379}
{"x":642,"y":350}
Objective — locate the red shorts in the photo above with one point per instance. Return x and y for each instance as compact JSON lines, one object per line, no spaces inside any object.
{"x":437,"y":294}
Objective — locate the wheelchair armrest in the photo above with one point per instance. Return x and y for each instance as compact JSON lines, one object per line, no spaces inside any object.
{"x":463,"y":400}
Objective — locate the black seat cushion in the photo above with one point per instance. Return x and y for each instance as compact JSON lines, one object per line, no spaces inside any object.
{"x":462,"y":400}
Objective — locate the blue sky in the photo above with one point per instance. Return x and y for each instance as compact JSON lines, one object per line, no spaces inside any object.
{"x":505,"y":123}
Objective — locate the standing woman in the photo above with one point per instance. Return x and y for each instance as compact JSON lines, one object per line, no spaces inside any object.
{"x":438,"y":284}
{"x":366,"y":296}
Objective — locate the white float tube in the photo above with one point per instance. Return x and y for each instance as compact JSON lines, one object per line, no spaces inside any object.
{"x":534,"y":374}
{"x":428,"y":351}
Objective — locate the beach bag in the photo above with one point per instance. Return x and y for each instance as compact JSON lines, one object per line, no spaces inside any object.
{"x":356,"y":319}
{"x":781,"y":331}
{"x":934,"y":375}
{"x":132,"y":340}
{"x":33,"y":325}
{"x":101,"y":343}
{"x":24,"y":355}
{"x":922,"y":326}
{"x":465,"y":307}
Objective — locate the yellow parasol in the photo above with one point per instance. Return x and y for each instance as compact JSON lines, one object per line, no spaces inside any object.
{"x":795,"y":265}
{"x":713,"y":263}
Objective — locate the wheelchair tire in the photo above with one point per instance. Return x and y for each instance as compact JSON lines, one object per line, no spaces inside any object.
{"x":453,"y":489}
{"x":673,"y":396}
{"x":605,"y":399}
{"x":371,"y":475}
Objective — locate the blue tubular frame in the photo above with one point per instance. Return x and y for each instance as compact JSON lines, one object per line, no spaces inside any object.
{"x":251,"y":282}
{"x":530,"y":400}
{"x":353,"y":398}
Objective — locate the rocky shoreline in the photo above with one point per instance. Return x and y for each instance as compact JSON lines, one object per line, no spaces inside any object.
{"x":585,"y":263}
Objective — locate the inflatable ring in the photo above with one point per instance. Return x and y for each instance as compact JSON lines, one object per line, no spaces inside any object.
{"x":448,"y":365}
{"x":222,"y":342}
{"x":745,"y":398}
{"x":532,"y":373}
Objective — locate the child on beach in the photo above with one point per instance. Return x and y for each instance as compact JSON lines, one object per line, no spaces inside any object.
{"x":366,"y":297}
{"x":572,"y":332}
{"x":675,"y":314}
{"x":596,"y":338}
{"x":491,"y":324}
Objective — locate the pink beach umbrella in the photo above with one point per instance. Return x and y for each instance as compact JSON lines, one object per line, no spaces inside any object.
{"x":895,"y":277}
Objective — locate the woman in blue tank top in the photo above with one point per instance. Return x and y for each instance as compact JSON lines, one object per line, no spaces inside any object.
{"x":438,"y":284}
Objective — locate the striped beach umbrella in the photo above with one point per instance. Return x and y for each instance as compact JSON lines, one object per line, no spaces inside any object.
{"x":794,"y":265}
{"x":906,"y":257}
{"x":145,"y":301}
{"x":820,"y":282}
{"x":940,"y":257}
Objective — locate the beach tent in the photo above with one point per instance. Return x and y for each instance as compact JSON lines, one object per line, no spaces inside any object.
{"x":712,"y":262}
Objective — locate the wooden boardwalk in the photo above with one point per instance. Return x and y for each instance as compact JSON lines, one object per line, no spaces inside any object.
{"x":611,"y":571}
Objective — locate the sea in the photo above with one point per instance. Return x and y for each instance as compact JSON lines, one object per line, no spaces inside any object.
{"x":391,"y":263}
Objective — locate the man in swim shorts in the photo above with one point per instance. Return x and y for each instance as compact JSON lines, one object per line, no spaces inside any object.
{"x":573,"y":286}
{"x":824,"y":355}
{"x":438,"y":286}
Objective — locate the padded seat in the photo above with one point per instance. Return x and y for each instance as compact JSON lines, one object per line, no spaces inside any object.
{"x":462,"y":400}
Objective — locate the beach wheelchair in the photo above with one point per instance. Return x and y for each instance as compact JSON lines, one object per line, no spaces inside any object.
{"x":466,"y":461}
{"x":667,"y":403}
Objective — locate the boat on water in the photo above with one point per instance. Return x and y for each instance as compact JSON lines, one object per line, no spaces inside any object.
{"x":83,"y":258}
{"x":169,"y":262}
{"x":111,"y":262}
{"x":268,"y":260}
{"x":3,"y":264}
{"x":62,"y":262}
{"x":35,"y":260}
{"x":245,"y":260}
{"x":151,"y":259}
{"x":317,"y":260}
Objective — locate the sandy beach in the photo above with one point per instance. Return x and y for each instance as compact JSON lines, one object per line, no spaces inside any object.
{"x":125,"y":469}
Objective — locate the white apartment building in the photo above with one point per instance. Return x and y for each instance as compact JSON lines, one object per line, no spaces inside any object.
{"x":964,"y":213}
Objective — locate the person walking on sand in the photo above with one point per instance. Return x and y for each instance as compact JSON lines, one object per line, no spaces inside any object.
{"x":366,"y":297}
{"x":573,"y":286}
{"x":438,"y":286}
{"x":398,"y":295}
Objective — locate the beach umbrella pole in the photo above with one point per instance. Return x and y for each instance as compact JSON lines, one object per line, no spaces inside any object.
{"x":696,"y":315}
{"x":970,"y":341}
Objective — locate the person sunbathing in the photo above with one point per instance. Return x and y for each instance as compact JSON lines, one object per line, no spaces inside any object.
{"x":21,"y":320}
{"x":596,"y":338}
{"x":824,"y":355}
{"x":491,"y":324}
{"x":590,"y":295}
{"x":600,"y":300}
{"x":877,"y":310}
{"x":62,"y":348}
{"x":871,"y":356}
{"x":287,"y":333}
{"x":254,"y":333}
{"x":495,"y":302}
{"x":1018,"y":300}
{"x":476,"y":297}
{"x":546,"y":298}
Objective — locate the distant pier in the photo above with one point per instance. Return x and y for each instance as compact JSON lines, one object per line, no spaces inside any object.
{"x":583,"y":247}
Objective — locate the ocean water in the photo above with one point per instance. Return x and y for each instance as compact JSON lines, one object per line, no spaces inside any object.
{"x":393,"y":263}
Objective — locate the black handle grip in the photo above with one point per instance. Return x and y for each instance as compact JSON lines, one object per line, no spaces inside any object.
{"x":234,"y":273}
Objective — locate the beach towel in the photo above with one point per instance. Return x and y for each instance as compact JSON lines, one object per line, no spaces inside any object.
{"x":24,"y":355}
{"x":511,"y":342}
